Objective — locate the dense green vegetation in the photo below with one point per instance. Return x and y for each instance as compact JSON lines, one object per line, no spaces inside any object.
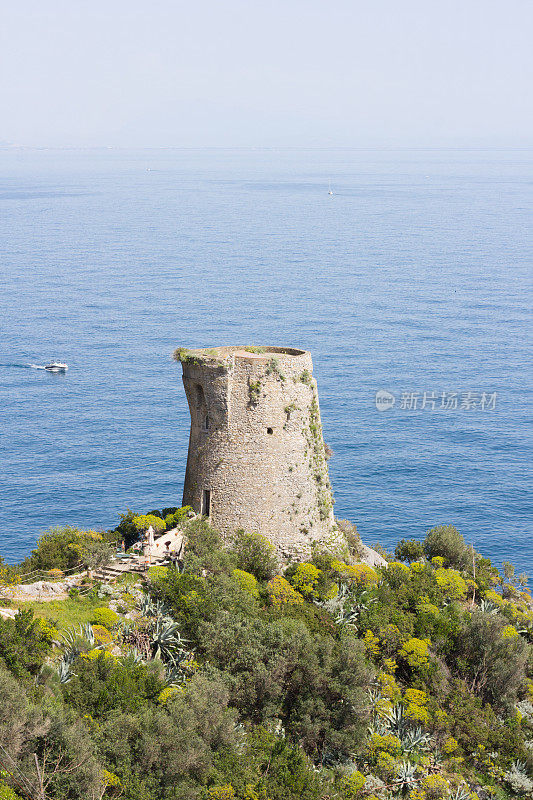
{"x":228,"y":678}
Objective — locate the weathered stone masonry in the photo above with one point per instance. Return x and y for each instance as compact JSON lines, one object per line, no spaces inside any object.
{"x":256,"y":455}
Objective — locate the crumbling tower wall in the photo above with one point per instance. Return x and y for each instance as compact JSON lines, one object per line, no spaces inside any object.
{"x":256,"y":455}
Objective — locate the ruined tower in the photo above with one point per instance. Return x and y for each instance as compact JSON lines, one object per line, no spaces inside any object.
{"x":256,"y":455}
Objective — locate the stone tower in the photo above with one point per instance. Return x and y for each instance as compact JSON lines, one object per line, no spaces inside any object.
{"x":256,"y":455}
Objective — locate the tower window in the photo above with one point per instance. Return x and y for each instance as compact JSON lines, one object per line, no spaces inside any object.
{"x":206,"y":502}
{"x":270,"y":430}
{"x":205,"y":423}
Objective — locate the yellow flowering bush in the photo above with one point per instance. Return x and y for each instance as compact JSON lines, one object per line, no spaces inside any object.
{"x":450,"y":746}
{"x":451,"y":583}
{"x":351,"y":785}
{"x":415,"y":696}
{"x":246,"y":581}
{"x":111,"y":780}
{"x":417,"y":714}
{"x":386,"y":765}
{"x":371,"y":643}
{"x":282,"y":594}
{"x":167,"y":693}
{"x":92,"y":655}
{"x":46,"y":629}
{"x":494,"y":597}
{"x":382,"y":744}
{"x":360,"y":574}
{"x":104,"y":616}
{"x":415,"y":703}
{"x":102,"y":635}
{"x":305,"y":579}
{"x":225,"y":792}
{"x":55,"y":573}
{"x":435,"y":786}
{"x":388,"y":687}
{"x":416,"y":652}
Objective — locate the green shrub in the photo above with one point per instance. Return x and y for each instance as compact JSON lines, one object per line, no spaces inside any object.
{"x":59,"y":548}
{"x":101,"y":684}
{"x":176,"y":517}
{"x":255,"y":554}
{"x":157,"y":574}
{"x":24,"y":644}
{"x":104,"y":616}
{"x":6,"y":793}
{"x":493,"y":663}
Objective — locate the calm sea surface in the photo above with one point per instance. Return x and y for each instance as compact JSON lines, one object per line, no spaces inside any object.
{"x":414,"y":277}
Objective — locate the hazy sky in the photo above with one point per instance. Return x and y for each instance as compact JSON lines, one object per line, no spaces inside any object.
{"x":269,"y":73}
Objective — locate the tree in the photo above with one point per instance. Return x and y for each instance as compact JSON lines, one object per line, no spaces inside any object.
{"x":96,"y":553}
{"x":409,"y":550}
{"x":145,"y":521}
{"x":57,"y":548}
{"x":161,"y":753}
{"x":492,"y":663}
{"x":447,"y":542}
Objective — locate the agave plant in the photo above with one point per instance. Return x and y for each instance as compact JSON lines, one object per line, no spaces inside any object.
{"x":72,"y":636}
{"x":374,"y":698}
{"x":166,"y":640}
{"x":398,"y":722}
{"x":132,"y":658}
{"x":406,"y":776}
{"x":76,"y":640}
{"x":178,"y":668}
{"x":415,"y":739}
{"x":64,"y":671}
{"x":348,"y":604}
{"x":461,"y":793}
{"x":489,"y":607}
{"x":151,"y":608}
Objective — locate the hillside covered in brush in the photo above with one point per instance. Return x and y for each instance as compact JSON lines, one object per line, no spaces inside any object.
{"x":227,"y":677}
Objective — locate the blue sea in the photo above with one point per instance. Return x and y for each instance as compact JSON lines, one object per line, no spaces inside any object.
{"x":413,"y":278}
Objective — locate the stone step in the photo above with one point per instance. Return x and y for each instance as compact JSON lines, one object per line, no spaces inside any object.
{"x":114,"y":571}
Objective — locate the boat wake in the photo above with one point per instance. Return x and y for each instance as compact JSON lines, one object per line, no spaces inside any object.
{"x":24,"y":366}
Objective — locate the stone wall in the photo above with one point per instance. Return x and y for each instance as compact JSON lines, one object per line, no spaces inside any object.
{"x":256,"y":455}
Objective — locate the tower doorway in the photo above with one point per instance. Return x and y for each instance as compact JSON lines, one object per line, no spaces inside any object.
{"x":206,"y":502}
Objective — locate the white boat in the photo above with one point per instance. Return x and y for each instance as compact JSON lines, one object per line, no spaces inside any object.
{"x":56,"y":366}
{"x":329,"y":190}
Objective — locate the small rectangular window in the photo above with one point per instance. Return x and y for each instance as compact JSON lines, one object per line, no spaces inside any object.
{"x":206,"y":502}
{"x":205,"y":424}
